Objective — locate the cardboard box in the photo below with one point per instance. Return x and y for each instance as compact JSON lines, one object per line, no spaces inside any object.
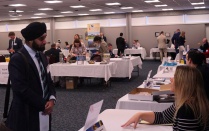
{"x":148,"y":96}
{"x":135,"y":94}
{"x":71,"y":82}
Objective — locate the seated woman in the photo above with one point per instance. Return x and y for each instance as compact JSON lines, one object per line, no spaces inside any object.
{"x":136,"y":44}
{"x":77,"y":49}
{"x":190,"y":110}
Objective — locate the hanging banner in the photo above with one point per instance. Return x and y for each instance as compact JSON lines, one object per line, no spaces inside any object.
{"x":92,"y":30}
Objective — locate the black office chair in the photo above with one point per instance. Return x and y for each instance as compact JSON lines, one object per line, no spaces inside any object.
{"x":2,"y":58}
{"x":96,"y":58}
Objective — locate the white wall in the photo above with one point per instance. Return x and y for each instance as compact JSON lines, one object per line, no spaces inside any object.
{"x":207,"y":31}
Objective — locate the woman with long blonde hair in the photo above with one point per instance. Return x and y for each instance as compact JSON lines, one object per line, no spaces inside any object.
{"x":190,"y":110}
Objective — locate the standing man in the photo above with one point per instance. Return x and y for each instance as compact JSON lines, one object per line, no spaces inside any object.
{"x":120,"y":42}
{"x":161,"y":40}
{"x":33,"y":89}
{"x":103,"y":37}
{"x":175,"y":40}
{"x":14,"y":43}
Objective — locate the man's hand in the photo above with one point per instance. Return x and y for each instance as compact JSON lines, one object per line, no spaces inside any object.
{"x":49,"y":107}
{"x":11,"y":50}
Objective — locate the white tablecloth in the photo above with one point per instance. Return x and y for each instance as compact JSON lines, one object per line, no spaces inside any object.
{"x":4,"y":72}
{"x":65,"y":52}
{"x":125,"y":103}
{"x":87,"y":70}
{"x":126,"y":66}
{"x":154,"y":50}
{"x":140,"y":50}
{"x":113,"y":119}
{"x":167,"y":75}
{"x":4,"y":52}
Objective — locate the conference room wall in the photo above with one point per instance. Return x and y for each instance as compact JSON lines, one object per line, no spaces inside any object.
{"x":147,"y":39}
{"x":68,"y":34}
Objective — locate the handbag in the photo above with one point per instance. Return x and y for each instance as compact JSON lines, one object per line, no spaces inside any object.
{"x":6,"y":105}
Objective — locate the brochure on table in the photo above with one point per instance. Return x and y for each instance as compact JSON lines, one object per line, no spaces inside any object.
{"x":91,"y":123}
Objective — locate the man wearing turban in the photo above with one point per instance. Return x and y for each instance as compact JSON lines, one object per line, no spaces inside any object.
{"x":33,"y":90}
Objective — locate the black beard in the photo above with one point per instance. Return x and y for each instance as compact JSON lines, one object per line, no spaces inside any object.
{"x":36,"y":47}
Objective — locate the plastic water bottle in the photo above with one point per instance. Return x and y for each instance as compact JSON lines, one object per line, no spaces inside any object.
{"x":61,"y":57}
{"x":187,"y":48}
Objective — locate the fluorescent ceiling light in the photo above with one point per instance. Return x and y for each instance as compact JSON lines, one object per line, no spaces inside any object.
{"x":125,"y":8}
{"x":65,"y":12}
{"x":199,"y":3}
{"x":152,"y":1}
{"x":15,"y":19}
{"x":15,"y":15}
{"x":18,"y":11}
{"x":17,"y":5}
{"x":45,"y":9}
{"x":95,"y":10}
{"x":137,"y":11}
{"x":115,"y":3}
{"x":40,"y":14}
{"x":167,"y":9}
{"x":160,"y":5}
{"x":58,"y":16}
{"x":109,"y":12}
{"x":35,"y":17}
{"x":83,"y":14}
{"x":53,"y":1}
{"x":202,"y":7}
{"x":78,"y":6}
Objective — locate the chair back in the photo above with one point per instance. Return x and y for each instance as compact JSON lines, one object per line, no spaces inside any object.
{"x":2,"y":58}
{"x":52,"y":59}
{"x":96,"y":58}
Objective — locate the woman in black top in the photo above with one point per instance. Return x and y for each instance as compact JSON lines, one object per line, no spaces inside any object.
{"x":190,"y":110}
{"x":181,"y":44}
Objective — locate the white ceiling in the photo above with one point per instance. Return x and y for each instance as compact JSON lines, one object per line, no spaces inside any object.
{"x":33,"y":5}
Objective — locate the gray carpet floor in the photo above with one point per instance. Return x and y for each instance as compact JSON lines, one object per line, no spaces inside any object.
{"x":72,"y":106}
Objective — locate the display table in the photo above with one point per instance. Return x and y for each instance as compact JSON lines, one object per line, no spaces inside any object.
{"x":4,"y":52}
{"x":125,"y":103}
{"x":156,"y":50}
{"x":167,"y":75}
{"x":86,"y":70}
{"x":126,"y":66}
{"x":114,"y":118}
{"x":140,"y":50}
{"x":4,"y":73}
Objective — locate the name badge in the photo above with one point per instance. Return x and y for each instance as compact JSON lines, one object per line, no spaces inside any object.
{"x":15,"y":43}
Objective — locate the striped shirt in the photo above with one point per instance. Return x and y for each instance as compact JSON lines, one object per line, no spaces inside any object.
{"x":184,"y":120}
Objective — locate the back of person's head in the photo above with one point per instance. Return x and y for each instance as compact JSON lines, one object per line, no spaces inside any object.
{"x":121,"y":34}
{"x":161,"y":32}
{"x":97,"y":39}
{"x":197,"y":58}
{"x":182,"y":33}
{"x":66,"y":43}
{"x":189,"y":90}
{"x":11,"y":34}
{"x":53,"y":46}
{"x":178,"y":30}
{"x":204,"y":40}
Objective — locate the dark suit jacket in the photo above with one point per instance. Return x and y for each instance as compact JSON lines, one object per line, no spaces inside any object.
{"x":28,"y":98}
{"x":54,"y":52}
{"x":120,"y":42}
{"x":204,"y":47}
{"x":17,"y":44}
